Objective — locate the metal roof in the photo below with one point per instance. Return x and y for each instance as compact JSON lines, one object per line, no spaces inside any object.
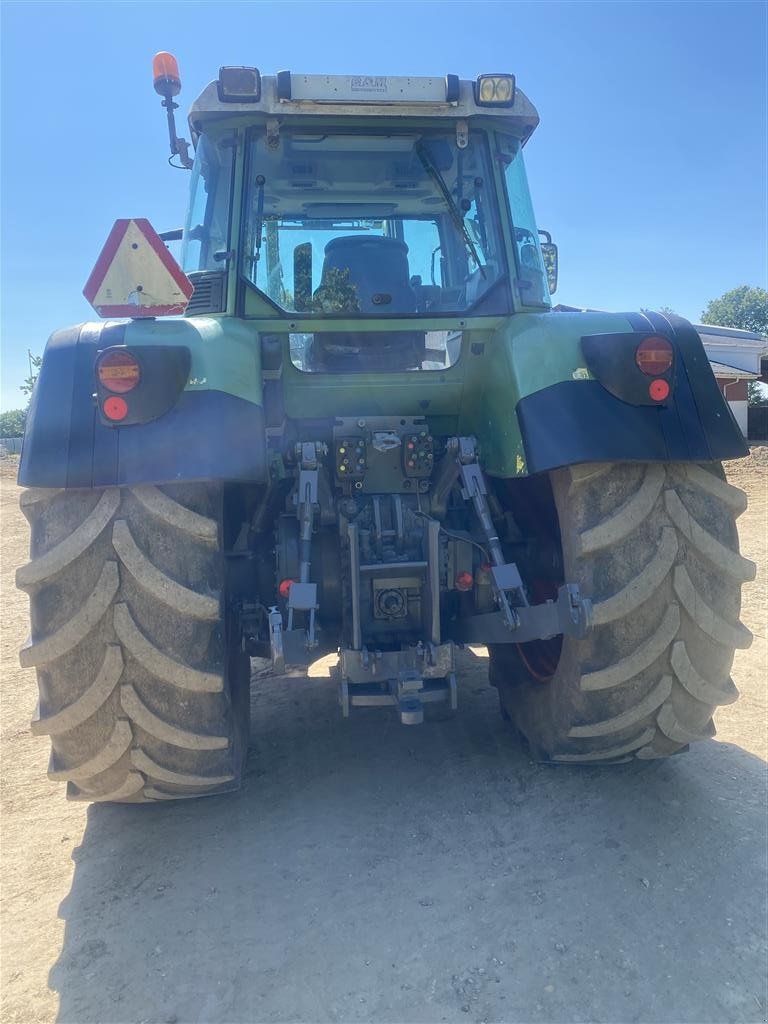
{"x":723,"y":370}
{"x":733,"y":336}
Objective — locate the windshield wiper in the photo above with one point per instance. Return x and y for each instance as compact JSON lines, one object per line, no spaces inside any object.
{"x":258,"y":226}
{"x":456,"y":215}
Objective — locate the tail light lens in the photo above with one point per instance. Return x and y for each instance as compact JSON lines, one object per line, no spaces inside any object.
{"x":115,"y":408}
{"x":118,"y":370}
{"x":654,"y":355}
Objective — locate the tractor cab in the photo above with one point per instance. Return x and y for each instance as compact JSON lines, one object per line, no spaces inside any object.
{"x":371,"y":208}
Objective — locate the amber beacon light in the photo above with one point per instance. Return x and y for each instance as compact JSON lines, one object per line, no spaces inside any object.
{"x":167,"y":82}
{"x":165,"y":74}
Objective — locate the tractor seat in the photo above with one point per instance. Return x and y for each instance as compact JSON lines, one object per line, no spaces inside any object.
{"x":365,"y":274}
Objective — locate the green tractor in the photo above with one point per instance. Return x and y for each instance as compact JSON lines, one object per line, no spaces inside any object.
{"x":369,"y":435}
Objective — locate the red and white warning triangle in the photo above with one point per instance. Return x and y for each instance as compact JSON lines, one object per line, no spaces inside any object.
{"x":136,"y":276}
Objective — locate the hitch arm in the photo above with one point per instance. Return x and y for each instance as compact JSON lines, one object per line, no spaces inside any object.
{"x":504,"y":575}
{"x":303,"y":595}
{"x":569,"y":615}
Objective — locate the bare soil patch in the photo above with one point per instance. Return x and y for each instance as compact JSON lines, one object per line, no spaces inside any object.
{"x":367,"y":872}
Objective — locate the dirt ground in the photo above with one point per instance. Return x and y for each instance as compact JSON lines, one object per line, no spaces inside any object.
{"x":368,"y":872}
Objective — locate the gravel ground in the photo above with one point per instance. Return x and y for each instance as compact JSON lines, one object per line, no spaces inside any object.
{"x":368,"y":872}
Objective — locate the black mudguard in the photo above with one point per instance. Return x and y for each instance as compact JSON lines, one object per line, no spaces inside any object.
{"x":190,"y":435}
{"x":586,"y":421}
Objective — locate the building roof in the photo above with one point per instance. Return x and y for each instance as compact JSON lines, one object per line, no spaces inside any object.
{"x":748,"y":348}
{"x":731,"y":336}
{"x":723,"y":370}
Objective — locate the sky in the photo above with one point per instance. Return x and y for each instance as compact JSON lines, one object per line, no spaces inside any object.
{"x":648,"y":167}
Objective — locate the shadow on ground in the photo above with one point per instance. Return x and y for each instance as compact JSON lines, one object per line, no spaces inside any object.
{"x":370,"y":872}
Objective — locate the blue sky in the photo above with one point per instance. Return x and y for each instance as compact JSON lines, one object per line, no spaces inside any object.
{"x":649,"y":166}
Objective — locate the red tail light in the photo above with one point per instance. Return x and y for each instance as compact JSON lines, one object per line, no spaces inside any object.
{"x":118,"y":370}
{"x":654,"y":355}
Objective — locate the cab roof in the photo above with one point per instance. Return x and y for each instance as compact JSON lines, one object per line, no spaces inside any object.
{"x":287,"y":95}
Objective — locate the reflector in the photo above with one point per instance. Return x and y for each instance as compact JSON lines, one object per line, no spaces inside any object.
{"x":136,"y":276}
{"x":658,"y":390}
{"x":115,"y":408}
{"x":464,"y":581}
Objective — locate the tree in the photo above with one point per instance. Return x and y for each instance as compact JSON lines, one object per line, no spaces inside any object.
{"x":743,"y":307}
{"x":12,"y":423}
{"x":35,"y":363}
{"x":664,"y":310}
{"x":757,"y":394}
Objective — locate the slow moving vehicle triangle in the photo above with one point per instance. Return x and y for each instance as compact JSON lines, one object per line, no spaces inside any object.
{"x":135,"y":275}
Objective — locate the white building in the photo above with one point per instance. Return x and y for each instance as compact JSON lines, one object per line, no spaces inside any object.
{"x":735,"y":357}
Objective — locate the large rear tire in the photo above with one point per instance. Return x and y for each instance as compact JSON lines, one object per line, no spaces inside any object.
{"x":655,"y":548}
{"x":142,"y":692}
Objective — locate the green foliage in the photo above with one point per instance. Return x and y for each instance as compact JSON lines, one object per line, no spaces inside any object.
{"x":757,"y":393}
{"x":743,"y":307}
{"x":664,"y":310}
{"x":12,"y":423}
{"x":336,"y":294}
{"x":302,"y":277}
{"x":35,"y":362}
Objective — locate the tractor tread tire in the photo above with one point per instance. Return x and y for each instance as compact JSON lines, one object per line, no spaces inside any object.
{"x":138,"y":694}
{"x":655,"y":548}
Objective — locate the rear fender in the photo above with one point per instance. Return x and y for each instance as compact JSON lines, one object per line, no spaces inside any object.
{"x":588,"y":420}
{"x":540,"y":398}
{"x":208,"y":425}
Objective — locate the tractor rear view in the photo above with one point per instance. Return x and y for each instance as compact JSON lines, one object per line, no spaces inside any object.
{"x":369,"y":434}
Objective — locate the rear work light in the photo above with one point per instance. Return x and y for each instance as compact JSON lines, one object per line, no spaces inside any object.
{"x":239,"y":85}
{"x":118,"y":370}
{"x":654,"y":355}
{"x":495,"y":90}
